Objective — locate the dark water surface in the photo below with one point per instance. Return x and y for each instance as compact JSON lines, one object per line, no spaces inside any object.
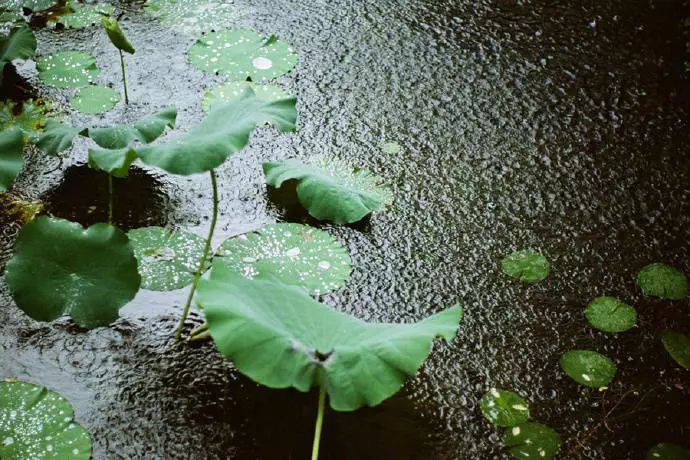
{"x":560,"y":125}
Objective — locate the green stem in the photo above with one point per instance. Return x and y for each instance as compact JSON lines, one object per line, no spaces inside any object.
{"x":319,"y":423}
{"x":204,"y":257}
{"x":124,"y":77}
{"x":110,"y":199}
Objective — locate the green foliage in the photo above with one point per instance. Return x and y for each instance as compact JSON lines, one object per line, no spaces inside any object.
{"x":532,"y":440}
{"x":588,"y":368}
{"x":11,"y":159}
{"x":67,"y":69}
{"x":235,"y":89}
{"x":609,"y":314}
{"x":79,"y":16}
{"x":20,"y":43}
{"x":331,"y":190}
{"x":57,"y":137}
{"x":116,"y":35}
{"x":293,"y":254}
{"x":33,"y":5}
{"x":193,"y":17}
{"x":280,"y":337}
{"x":30,"y":118}
{"x":678,"y":346}
{"x":662,"y":281}
{"x":527,"y":265}
{"x":668,"y":451}
{"x":504,"y":408}
{"x":36,"y":423}
{"x":95,"y":99}
{"x":58,"y":267}
{"x":391,"y":147}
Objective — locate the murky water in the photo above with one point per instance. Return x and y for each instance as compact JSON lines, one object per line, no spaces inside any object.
{"x":552,"y":124}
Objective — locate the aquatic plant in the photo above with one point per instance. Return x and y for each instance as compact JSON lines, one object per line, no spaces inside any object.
{"x":11,"y":158}
{"x":532,"y":440}
{"x":20,"y":43}
{"x":229,"y":91}
{"x":678,"y":346}
{"x":76,"y":15}
{"x":663,"y":281}
{"x":95,"y":99}
{"x":29,"y":116}
{"x":193,"y":17}
{"x":668,"y":451}
{"x":609,"y":314}
{"x":119,"y":40}
{"x":504,"y":408}
{"x":527,"y":265}
{"x":588,"y":368}
{"x":67,"y":69}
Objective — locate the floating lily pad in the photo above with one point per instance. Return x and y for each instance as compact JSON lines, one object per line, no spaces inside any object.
{"x":391,"y":147}
{"x":36,"y":423}
{"x":609,"y":314}
{"x":30,"y":118}
{"x":678,"y":346}
{"x":588,"y":368}
{"x":662,"y":281}
{"x":60,"y":268}
{"x":668,"y":451}
{"x":95,"y":99}
{"x":80,"y":15}
{"x":527,"y":265}
{"x":504,"y":408}
{"x":236,"y":89}
{"x":242,"y":54}
{"x":67,"y":69}
{"x":533,"y":440}
{"x":293,"y":254}
{"x":11,"y":158}
{"x":167,"y":258}
{"x":330,"y":189}
{"x":192,"y":17}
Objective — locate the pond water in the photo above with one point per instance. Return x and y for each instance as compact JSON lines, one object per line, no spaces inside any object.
{"x":559,"y":125}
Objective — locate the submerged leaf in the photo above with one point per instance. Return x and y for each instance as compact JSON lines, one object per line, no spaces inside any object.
{"x":660,"y":280}
{"x":588,"y":368}
{"x":609,"y":314}
{"x":11,"y":158}
{"x":678,"y":346}
{"x":527,"y":265}
{"x":533,"y":440}
{"x":95,"y":99}
{"x":235,"y":89}
{"x":67,"y":69}
{"x":504,"y":408}
{"x":280,"y":337}
{"x":192,"y":17}
{"x":60,"y":268}
{"x":668,"y":451}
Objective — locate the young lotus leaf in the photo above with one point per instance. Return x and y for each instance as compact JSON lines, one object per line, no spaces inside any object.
{"x":57,"y":137}
{"x":95,"y":99}
{"x":331,"y":190}
{"x":235,"y":89}
{"x":588,"y":368}
{"x":293,"y":254}
{"x":678,"y":346}
{"x":81,"y":15}
{"x":60,"y":268}
{"x":223,"y":132}
{"x":30,"y":118}
{"x":242,"y":54}
{"x":36,"y":423}
{"x":609,"y":314}
{"x":193,"y":17}
{"x":533,"y":440}
{"x":504,"y":408}
{"x":19,"y":44}
{"x":11,"y":159}
{"x":67,"y":69}
{"x":527,"y":265}
{"x":167,"y":258}
{"x":668,"y":451}
{"x":116,"y":35}
{"x":662,"y":281}
{"x":280,"y":337}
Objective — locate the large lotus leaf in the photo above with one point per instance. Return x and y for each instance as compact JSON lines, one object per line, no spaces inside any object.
{"x":232,"y":90}
{"x":79,"y":15}
{"x":331,"y":190}
{"x":145,"y":130}
{"x":36,"y":423}
{"x":19,"y":44}
{"x":67,"y":69}
{"x":242,"y":54}
{"x":527,"y":265}
{"x":280,"y":337}
{"x":532,"y":440}
{"x":95,"y":99}
{"x":660,"y":280}
{"x":60,"y":268}
{"x":293,"y":254}
{"x":223,"y":132}
{"x":609,"y":314}
{"x":668,"y":451}
{"x":193,"y":17}
{"x":588,"y":368}
{"x":58,"y":137}
{"x":504,"y":407}
{"x":115,"y":162}
{"x":11,"y":159}
{"x":678,"y":346}
{"x":29,"y":117}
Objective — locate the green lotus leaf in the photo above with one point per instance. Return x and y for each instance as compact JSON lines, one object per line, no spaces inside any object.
{"x":527,"y":265}
{"x":242,"y":54}
{"x":678,"y":346}
{"x":230,"y":91}
{"x":95,"y":99}
{"x":38,"y":423}
{"x":60,"y":268}
{"x":167,"y":258}
{"x":532,"y":440}
{"x":293,"y":254}
{"x":609,"y":314}
{"x":280,"y":337}
{"x":330,"y":189}
{"x":116,"y":35}
{"x":662,"y":281}
{"x":145,"y":130}
{"x":80,"y":15}
{"x":30,"y":118}
{"x":193,"y":17}
{"x":57,"y":137}
{"x":588,"y":368}
{"x":223,"y":132}
{"x":20,"y":43}
{"x":33,"y":5}
{"x":504,"y":408}
{"x":11,"y":158}
{"x":115,"y":162}
{"x":67,"y":69}
{"x":668,"y":451}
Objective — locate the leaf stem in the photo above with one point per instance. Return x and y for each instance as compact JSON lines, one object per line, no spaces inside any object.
{"x":124,"y":77}
{"x":319,"y":423}
{"x":110,"y":199}
{"x":204,"y":257}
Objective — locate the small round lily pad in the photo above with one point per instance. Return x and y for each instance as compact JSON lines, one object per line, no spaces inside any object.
{"x":588,"y":368}
{"x":391,"y":147}
{"x":678,"y":346}
{"x":242,"y":54}
{"x":532,"y":440}
{"x":660,"y":280}
{"x":95,"y":99}
{"x":235,"y":89}
{"x":38,"y":423}
{"x":167,"y":258}
{"x":527,"y":265}
{"x":193,"y":17}
{"x":668,"y":451}
{"x":293,"y":254}
{"x":609,"y":314}
{"x":504,"y":407}
{"x":80,"y":15}
{"x":67,"y":69}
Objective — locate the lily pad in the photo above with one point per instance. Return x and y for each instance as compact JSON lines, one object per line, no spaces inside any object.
{"x":242,"y":54}
{"x":533,"y":440}
{"x":293,"y":254}
{"x":527,"y":265}
{"x":38,"y":423}
{"x":60,"y":268}
{"x":67,"y":69}
{"x":391,"y":147}
{"x":280,"y":337}
{"x":33,"y":5}
{"x":235,"y":89}
{"x":95,"y":99}
{"x":660,"y":280}
{"x":504,"y":408}
{"x":81,"y":15}
{"x":678,"y":346}
{"x":588,"y":368}
{"x":330,"y":189}
{"x":609,"y":314}
{"x":30,"y":118}
{"x":11,"y":158}
{"x":668,"y":451}
{"x":167,"y":258}
{"x":193,"y":17}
